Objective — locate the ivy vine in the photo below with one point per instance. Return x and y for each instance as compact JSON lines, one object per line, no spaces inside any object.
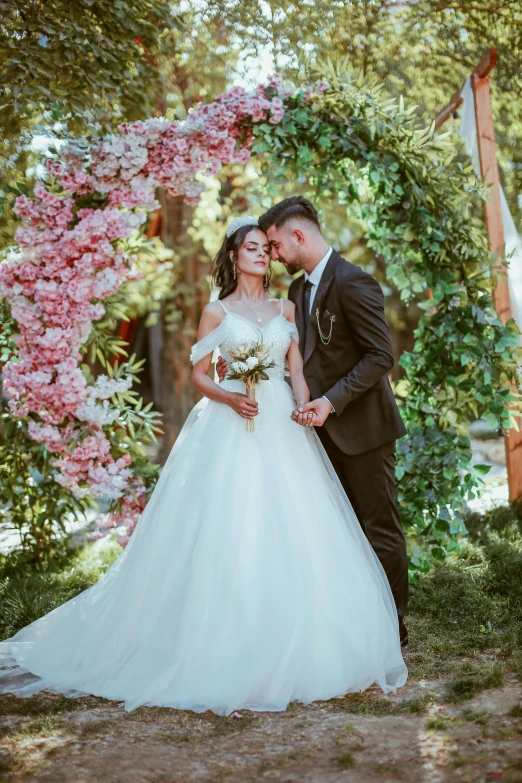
{"x":418,"y":201}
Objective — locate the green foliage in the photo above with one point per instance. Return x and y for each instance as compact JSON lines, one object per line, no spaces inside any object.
{"x":356,"y":146}
{"x":27,"y":594}
{"x":71,"y":58}
{"x":32,"y":503}
{"x":73,"y":69}
{"x":424,"y":49}
{"x":157,"y":267}
{"x":471,"y":605}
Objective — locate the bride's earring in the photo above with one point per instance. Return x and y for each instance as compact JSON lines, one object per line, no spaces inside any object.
{"x":231,"y":256}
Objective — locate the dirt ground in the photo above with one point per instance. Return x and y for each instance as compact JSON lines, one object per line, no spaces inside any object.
{"x":416,"y":736}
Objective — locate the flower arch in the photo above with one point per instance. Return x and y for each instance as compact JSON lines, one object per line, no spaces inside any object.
{"x":348,"y":143}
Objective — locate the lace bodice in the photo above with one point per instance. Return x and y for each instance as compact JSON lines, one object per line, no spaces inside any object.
{"x":235,"y":331}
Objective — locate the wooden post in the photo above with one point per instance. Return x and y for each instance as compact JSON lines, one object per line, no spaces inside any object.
{"x":494,"y":228}
{"x":495,"y":231}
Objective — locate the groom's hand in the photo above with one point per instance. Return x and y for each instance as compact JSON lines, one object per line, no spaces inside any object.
{"x":320,"y":410}
{"x":302,"y":418}
{"x":221,"y":369}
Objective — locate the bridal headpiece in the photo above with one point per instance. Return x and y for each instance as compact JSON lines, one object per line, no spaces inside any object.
{"x":239,"y":222}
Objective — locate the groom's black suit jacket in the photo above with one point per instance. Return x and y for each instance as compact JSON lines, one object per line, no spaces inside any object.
{"x":351,"y":371}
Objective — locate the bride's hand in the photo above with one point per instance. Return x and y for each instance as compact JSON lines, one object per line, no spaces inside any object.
{"x":221,"y":369}
{"x":243,"y":405}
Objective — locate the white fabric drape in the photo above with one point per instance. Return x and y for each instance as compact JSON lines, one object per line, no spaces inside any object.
{"x":468,"y":133}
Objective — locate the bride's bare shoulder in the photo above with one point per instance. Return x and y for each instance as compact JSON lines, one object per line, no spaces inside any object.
{"x":289,"y":310}
{"x":211,"y":317}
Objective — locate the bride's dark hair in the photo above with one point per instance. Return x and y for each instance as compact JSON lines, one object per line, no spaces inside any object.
{"x":223,"y":267}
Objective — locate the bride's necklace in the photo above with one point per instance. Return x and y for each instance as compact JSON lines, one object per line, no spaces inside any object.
{"x":259,"y":319}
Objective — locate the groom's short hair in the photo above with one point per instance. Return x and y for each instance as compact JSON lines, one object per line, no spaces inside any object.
{"x":297,"y":207}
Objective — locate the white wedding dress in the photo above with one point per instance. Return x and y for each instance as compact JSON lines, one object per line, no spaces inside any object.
{"x":247,"y":583}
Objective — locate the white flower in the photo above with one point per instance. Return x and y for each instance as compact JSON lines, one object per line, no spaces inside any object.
{"x":239,"y":366}
{"x":97,"y":414}
{"x":252,"y":362}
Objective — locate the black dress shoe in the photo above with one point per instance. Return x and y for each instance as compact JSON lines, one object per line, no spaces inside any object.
{"x":403,"y":632}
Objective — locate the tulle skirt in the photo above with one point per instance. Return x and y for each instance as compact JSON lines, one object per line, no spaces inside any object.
{"x":248,"y":583}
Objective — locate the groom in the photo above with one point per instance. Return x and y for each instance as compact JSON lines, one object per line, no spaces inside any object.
{"x":347,"y":352}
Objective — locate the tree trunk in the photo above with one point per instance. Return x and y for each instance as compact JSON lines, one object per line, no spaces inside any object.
{"x":178,"y":395}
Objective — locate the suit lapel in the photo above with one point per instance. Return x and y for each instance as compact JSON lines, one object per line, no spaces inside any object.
{"x":326,"y":281}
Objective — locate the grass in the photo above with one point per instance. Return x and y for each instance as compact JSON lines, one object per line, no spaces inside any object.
{"x":471,"y":605}
{"x":366,"y":705}
{"x":458,"y":761}
{"x":345,"y":760}
{"x":389,"y":769}
{"x":225,"y":726}
{"x":480,"y":718}
{"x":46,"y":705}
{"x":50,"y":726}
{"x":221,"y":725}
{"x":464,"y":688}
{"x":95,"y":728}
{"x":442,"y":722}
{"x":44,"y":726}
{"x":165,"y":736}
{"x":281,"y":760}
{"x":26,"y":595}
{"x":348,"y":729}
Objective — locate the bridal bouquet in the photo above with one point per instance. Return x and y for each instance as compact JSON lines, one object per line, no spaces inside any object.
{"x":249,"y":364}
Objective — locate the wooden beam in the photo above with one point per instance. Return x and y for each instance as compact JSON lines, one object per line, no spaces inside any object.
{"x":495,"y":231}
{"x":487,"y":63}
{"x":492,"y":207}
{"x":449,"y":109}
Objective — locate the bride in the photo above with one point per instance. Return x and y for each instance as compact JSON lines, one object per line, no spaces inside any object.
{"x":248,"y":582}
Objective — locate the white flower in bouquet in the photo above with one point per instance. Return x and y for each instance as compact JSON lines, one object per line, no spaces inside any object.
{"x":240,"y":366}
{"x":250,"y":365}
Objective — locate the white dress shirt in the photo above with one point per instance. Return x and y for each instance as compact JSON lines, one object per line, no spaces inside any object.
{"x":315,"y":276}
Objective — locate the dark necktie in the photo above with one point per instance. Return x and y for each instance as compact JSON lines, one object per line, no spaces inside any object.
{"x":307,"y":292}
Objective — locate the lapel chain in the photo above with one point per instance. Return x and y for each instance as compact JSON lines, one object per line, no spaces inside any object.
{"x":325,"y":340}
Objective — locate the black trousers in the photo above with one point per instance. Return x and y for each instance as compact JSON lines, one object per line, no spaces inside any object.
{"x":369,"y":481}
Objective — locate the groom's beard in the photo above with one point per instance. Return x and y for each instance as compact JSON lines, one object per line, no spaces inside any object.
{"x":292,"y":267}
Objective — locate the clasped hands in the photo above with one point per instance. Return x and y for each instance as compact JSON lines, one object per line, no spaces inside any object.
{"x":307,"y":414}
{"x":312,"y":414}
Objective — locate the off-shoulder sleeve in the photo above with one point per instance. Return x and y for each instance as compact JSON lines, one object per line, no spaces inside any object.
{"x":209,"y":343}
{"x":292,"y":330}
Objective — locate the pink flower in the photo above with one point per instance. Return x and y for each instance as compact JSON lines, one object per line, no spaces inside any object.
{"x":70,"y":260}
